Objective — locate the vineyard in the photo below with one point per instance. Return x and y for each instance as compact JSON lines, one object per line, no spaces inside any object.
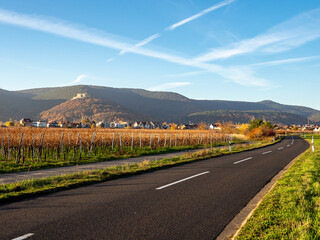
{"x":60,"y":147}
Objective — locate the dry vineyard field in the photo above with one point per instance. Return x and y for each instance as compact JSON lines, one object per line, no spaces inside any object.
{"x":47,"y":147}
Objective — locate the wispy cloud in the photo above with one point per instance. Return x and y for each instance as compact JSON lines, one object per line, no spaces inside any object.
{"x":285,"y":36}
{"x":178,"y":24}
{"x":61,"y":28}
{"x":57,"y":27}
{"x":167,"y":86}
{"x":284,"y":61}
{"x":80,"y":78}
{"x":200,"y":14}
{"x":142,"y":43}
{"x":184,"y":75}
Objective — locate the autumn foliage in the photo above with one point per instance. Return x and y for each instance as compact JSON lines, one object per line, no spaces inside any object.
{"x":258,"y":128}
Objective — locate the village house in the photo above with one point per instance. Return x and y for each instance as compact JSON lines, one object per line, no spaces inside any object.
{"x":39,"y":124}
{"x":165,"y":126}
{"x":102,"y":124}
{"x":214,"y":127}
{"x":113,"y":125}
{"x":308,"y":128}
{"x":52,"y":124}
{"x":26,"y":122}
{"x":138,"y":125}
{"x":317,"y":129}
{"x":155,"y":125}
{"x":65,"y":124}
{"x":77,"y":125}
{"x":191,"y":126}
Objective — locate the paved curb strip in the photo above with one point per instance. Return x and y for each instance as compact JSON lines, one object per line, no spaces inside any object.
{"x":232,"y":230}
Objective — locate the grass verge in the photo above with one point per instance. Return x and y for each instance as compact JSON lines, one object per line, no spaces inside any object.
{"x":291,"y":210}
{"x":34,"y":187}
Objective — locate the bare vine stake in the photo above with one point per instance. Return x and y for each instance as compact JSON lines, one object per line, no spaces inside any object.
{"x":80,"y":150}
{"x":140,"y":139}
{"x":8,"y":146}
{"x":132,"y":141}
{"x":92,"y":141}
{"x":112,"y":143}
{"x":175,"y":143}
{"x":33,"y":142}
{"x":19,"y":149}
{"x":1,"y":145}
{"x":40,"y":148}
{"x":61,"y":144}
{"x":158,"y":140}
{"x":74,"y":147}
{"x":170,"y":138}
{"x":184,"y":139}
{"x":23,"y":150}
{"x":150,"y":140}
{"x":120,"y":141}
{"x":165,"y":140}
{"x":102,"y":145}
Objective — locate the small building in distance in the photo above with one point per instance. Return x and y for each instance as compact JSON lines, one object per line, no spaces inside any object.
{"x":52,"y":124}
{"x":80,"y":95}
{"x":39,"y":124}
{"x":26,"y":122}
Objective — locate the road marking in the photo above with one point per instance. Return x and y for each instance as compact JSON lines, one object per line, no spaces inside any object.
{"x":267,"y":152}
{"x":288,"y":145}
{"x":243,"y":160}
{"x":182,"y":180}
{"x":24,"y":236}
{"x":280,"y":148}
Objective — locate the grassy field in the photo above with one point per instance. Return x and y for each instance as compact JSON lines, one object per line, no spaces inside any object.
{"x":291,"y":210}
{"x":28,"y":188}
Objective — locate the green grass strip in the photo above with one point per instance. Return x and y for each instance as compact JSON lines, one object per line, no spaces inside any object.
{"x":34,"y":187}
{"x":291,"y":210}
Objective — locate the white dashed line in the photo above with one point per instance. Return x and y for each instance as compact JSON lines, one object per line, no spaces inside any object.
{"x":182,"y":180}
{"x":24,"y":236}
{"x":288,"y":145}
{"x":243,"y":160}
{"x":267,"y":152}
{"x":280,"y":148}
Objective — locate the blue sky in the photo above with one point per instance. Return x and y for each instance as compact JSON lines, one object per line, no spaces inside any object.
{"x":248,"y":50}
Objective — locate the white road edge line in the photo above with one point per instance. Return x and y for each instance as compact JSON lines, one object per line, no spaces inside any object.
{"x":243,"y":160}
{"x":267,"y":152}
{"x":24,"y":236}
{"x":280,"y":148}
{"x":182,"y":180}
{"x":288,"y":145}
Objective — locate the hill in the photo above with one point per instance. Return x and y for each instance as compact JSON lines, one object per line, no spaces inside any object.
{"x":78,"y":109}
{"x":246,"y":116}
{"x":106,"y":103}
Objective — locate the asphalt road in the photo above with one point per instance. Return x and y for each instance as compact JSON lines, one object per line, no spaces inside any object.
{"x":192,"y":201}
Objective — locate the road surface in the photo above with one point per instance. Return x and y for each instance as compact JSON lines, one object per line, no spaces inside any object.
{"x":192,"y":201}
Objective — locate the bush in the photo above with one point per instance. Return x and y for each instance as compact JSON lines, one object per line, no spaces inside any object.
{"x":259,"y":129}
{"x":9,"y":124}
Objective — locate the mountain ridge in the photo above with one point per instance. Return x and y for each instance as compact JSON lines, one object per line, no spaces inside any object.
{"x":131,"y":104}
